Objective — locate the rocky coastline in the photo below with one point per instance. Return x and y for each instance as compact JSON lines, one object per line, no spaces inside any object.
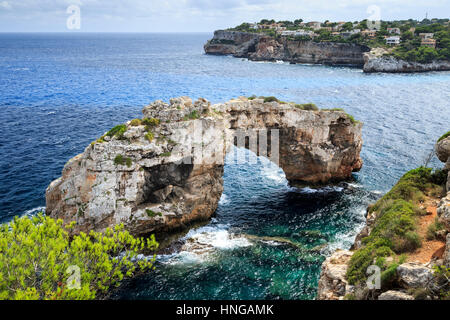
{"x":161,"y":173}
{"x":259,"y":47}
{"x":407,"y":280}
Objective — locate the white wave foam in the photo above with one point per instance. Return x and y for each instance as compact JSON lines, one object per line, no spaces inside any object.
{"x":34,"y":211}
{"x":224,"y":199}
{"x":200,"y":243}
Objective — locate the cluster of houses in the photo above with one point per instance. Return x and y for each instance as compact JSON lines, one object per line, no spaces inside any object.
{"x":309,"y":29}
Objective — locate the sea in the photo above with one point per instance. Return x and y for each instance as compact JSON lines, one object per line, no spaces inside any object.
{"x":267,"y":240}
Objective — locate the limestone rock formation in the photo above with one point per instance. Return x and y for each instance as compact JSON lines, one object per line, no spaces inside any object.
{"x":161,"y":174}
{"x":395,"y":295}
{"x":414,"y":275}
{"x":390,"y":64}
{"x":443,"y":153}
{"x":332,"y":282}
{"x":261,"y":47}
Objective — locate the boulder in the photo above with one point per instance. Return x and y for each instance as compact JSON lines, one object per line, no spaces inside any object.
{"x":414,"y":275}
{"x":443,"y":211}
{"x":446,"y":255}
{"x":395,"y":295}
{"x":332,"y":282}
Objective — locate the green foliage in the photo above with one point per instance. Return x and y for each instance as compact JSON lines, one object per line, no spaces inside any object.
{"x":192,"y":116}
{"x":271,"y":99}
{"x":151,"y":122}
{"x":149,"y":136}
{"x":444,"y":136}
{"x":121,"y":160}
{"x":128,"y":162}
{"x":307,"y":106}
{"x":350,"y":296}
{"x":36,"y":253}
{"x":394,"y":228}
{"x":166,"y":154}
{"x":433,"y":228}
{"x":365,"y":257}
{"x":135,"y":122}
{"x":118,"y":131}
{"x":152,"y":213}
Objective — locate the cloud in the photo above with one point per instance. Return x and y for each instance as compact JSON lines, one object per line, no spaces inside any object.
{"x":5,"y":5}
{"x":198,"y":15}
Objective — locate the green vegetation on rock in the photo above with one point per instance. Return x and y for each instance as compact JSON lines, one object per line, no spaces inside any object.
{"x":118,"y":131}
{"x":444,"y":136}
{"x":135,"y":122}
{"x":394,"y":229}
{"x":39,"y":260}
{"x":121,"y":160}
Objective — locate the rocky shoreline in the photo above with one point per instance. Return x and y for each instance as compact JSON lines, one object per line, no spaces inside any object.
{"x":412,"y":280}
{"x":163,"y":172}
{"x":259,"y":47}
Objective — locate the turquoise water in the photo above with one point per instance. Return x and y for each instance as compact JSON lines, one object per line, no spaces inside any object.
{"x":58,"y":92}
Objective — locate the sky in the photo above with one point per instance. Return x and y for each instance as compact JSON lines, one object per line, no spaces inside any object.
{"x":197,"y":15}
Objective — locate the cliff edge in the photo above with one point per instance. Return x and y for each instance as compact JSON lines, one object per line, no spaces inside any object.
{"x":260,"y":47}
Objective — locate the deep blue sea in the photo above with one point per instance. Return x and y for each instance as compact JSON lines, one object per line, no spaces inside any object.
{"x":58,"y":92}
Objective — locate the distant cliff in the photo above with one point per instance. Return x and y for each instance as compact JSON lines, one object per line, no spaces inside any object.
{"x":259,"y":47}
{"x":393,"y":65}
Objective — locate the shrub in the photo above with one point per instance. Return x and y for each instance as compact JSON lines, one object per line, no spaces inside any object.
{"x":253,"y":97}
{"x":37,"y":256}
{"x":433,"y":228}
{"x":307,"y":106}
{"x":128,"y":162}
{"x":166,"y":154}
{"x":365,"y":257}
{"x":192,"y":116}
{"x":149,"y":136}
{"x":152,"y":213}
{"x":118,"y":131}
{"x":135,"y":122}
{"x":119,"y":160}
{"x":444,"y":136}
{"x":151,"y":122}
{"x":271,"y":99}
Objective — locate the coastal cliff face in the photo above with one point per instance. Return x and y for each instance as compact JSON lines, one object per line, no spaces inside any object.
{"x":159,"y":176}
{"x":393,"y":65}
{"x":265,"y":48}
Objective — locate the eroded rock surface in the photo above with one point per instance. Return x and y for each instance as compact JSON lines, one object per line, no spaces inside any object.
{"x":161,"y":177}
{"x":332,"y":282}
{"x":261,"y":47}
{"x":393,"y":65}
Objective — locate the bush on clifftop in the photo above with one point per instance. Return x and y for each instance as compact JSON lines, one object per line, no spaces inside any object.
{"x":39,"y":260}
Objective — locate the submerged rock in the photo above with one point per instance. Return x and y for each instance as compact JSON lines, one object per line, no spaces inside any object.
{"x":162,"y":174}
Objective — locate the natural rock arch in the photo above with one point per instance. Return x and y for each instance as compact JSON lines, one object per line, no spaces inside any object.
{"x":159,"y":177}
